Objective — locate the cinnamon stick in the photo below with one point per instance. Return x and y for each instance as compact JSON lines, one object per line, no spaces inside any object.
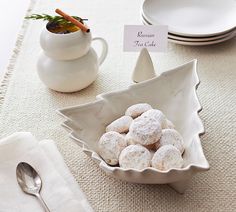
{"x":72,"y":20}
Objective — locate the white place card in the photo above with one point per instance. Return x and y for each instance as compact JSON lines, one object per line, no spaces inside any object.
{"x":137,"y":37}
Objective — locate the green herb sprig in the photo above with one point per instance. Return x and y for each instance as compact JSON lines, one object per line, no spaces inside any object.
{"x":55,"y":19}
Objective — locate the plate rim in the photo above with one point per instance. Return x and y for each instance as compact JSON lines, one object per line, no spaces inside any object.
{"x":193,"y":39}
{"x":187,"y":34}
{"x":199,"y":43}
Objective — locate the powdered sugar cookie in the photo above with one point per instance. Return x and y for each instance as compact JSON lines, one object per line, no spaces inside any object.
{"x":120,"y":125}
{"x":156,"y":114}
{"x":135,"y":157}
{"x":110,"y":146}
{"x":172,"y":137}
{"x":145,"y":131}
{"x":167,"y":157}
{"x":137,"y":109}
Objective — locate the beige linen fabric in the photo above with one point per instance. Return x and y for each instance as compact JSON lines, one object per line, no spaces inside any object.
{"x":29,"y":106}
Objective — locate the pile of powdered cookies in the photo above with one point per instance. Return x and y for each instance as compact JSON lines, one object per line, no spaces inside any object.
{"x":142,"y":138}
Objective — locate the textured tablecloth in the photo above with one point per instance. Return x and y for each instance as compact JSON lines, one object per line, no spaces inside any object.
{"x":26,"y":104}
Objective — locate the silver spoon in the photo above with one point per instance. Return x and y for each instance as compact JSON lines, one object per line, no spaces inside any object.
{"x":30,"y":182}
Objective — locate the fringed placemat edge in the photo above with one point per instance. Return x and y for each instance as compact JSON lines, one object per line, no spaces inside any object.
{"x":13,"y":59}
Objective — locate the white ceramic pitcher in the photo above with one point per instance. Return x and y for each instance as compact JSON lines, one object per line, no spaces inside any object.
{"x":68,"y":63}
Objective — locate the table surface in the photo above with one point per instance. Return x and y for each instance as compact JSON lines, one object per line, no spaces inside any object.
{"x":29,"y":106}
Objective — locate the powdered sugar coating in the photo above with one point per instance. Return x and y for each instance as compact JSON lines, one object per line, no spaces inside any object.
{"x":156,"y":114}
{"x":120,"y":125}
{"x":145,"y":131}
{"x":123,"y":134}
{"x":137,"y":109}
{"x":110,"y":146}
{"x":129,"y":139}
{"x":172,"y":137}
{"x":167,"y":157}
{"x":152,"y":152}
{"x":135,"y":157}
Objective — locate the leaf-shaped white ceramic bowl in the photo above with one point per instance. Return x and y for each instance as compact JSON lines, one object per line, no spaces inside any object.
{"x":174,"y":93}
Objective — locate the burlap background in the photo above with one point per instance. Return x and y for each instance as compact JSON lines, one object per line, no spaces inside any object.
{"x":27,"y":105}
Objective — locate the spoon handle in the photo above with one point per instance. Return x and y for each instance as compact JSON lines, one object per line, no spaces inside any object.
{"x":42,"y":202}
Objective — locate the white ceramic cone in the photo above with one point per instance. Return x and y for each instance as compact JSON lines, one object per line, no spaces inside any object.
{"x":144,"y":69}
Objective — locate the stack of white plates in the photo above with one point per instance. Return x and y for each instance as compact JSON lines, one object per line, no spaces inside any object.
{"x":193,"y":22}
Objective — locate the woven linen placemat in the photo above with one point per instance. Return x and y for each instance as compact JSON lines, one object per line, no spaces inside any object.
{"x":27,"y":105}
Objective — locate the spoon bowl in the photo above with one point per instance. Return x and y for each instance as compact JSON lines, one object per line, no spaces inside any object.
{"x":30,"y":181}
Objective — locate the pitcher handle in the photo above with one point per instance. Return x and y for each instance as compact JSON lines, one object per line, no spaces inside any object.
{"x":104,"y":50}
